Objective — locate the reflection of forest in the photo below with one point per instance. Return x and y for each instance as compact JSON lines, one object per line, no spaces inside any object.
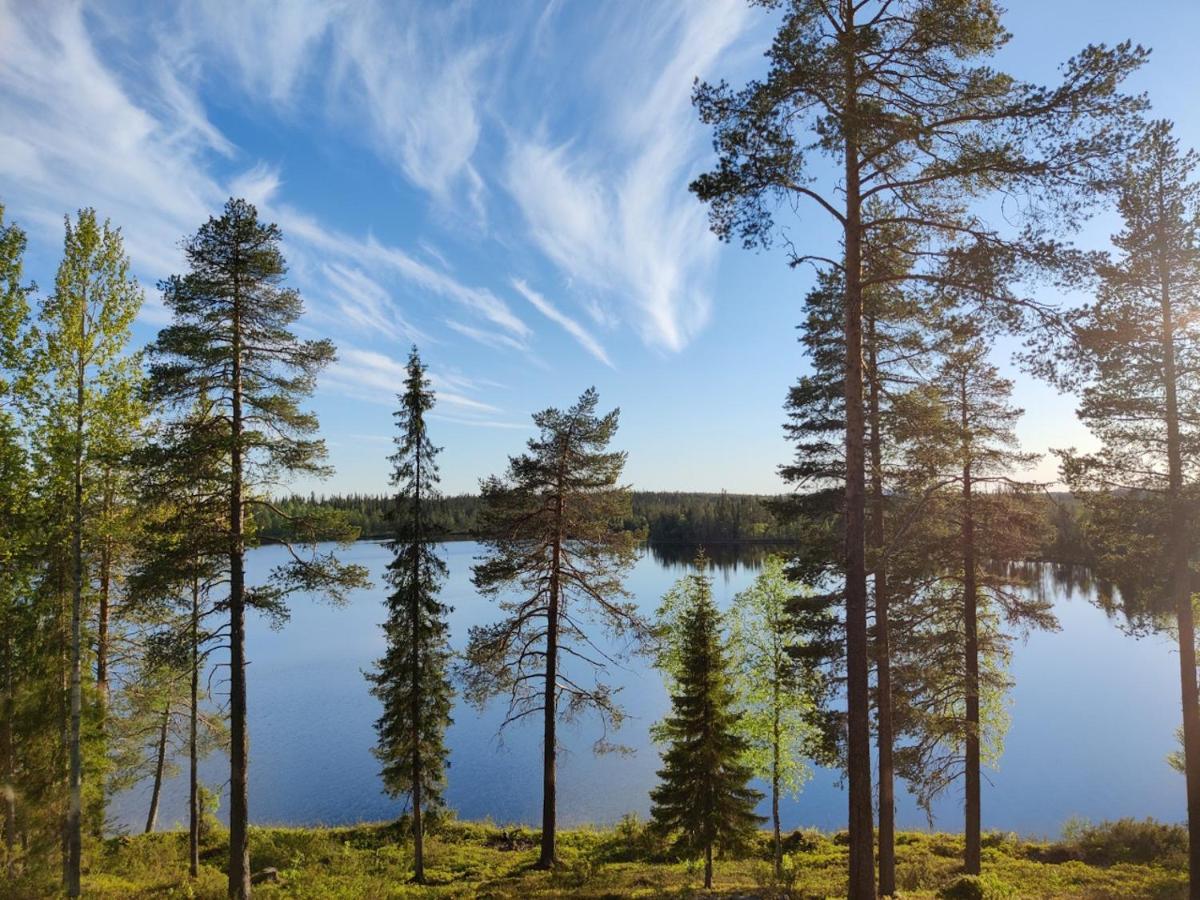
{"x":726,"y":557}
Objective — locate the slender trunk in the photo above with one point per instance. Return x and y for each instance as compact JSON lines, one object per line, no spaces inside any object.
{"x":775,"y":766}
{"x":858,"y":701}
{"x":1181,"y":589}
{"x":102,"y":641}
{"x":883,"y":663}
{"x":708,"y":866}
{"x":549,"y":741}
{"x":415,"y":612}
{"x":102,"y":618}
{"x":193,"y":735}
{"x":160,"y":766}
{"x":7,"y":756}
{"x":75,"y":788}
{"x":239,"y":817}
{"x":972,"y":774}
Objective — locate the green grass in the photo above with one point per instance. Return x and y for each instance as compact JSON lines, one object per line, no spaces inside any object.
{"x":1124,"y":859}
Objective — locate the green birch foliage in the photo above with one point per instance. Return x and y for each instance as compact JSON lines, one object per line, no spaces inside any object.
{"x":88,"y":401}
{"x":704,"y":801}
{"x":411,"y":679}
{"x":18,"y":618}
{"x":773,"y":690}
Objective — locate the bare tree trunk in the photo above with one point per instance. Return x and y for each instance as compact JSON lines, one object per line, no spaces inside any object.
{"x":775,"y":766}
{"x":193,"y":750}
{"x":883,"y":662}
{"x":708,"y":868}
{"x":972,"y":774}
{"x":549,"y":741}
{"x":159,"y":767}
{"x":415,"y":612}
{"x":7,"y":754}
{"x":239,"y":750}
{"x":102,"y":639}
{"x":858,"y":701}
{"x":75,"y":782}
{"x":1181,"y":590}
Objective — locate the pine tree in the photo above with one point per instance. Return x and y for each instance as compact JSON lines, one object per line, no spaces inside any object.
{"x":1135,"y":359}
{"x":411,"y":680}
{"x":917,"y":124}
{"x":981,"y":518}
{"x":181,"y":562}
{"x":90,"y":388}
{"x":552,"y":532}
{"x":231,"y":342}
{"x":704,"y":801}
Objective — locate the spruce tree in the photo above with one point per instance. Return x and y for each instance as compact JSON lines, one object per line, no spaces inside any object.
{"x":411,"y":680}
{"x":704,"y":801}
{"x":231,"y":341}
{"x":979,"y":518}
{"x":552,"y":529}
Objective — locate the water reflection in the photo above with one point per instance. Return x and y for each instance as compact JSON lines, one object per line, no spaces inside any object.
{"x":726,"y":558}
{"x":1093,"y":716}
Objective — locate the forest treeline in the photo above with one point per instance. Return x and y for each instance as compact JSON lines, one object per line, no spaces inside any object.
{"x":678,"y":517}
{"x":668,"y":516}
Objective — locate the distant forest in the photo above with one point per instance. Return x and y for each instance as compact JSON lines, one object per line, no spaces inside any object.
{"x":665,"y":517}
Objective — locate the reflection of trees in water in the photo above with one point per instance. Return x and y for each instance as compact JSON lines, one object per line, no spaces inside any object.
{"x":1066,"y":581}
{"x":726,"y":558}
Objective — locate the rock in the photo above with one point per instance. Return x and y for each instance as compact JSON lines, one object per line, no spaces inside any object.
{"x":269,"y":875}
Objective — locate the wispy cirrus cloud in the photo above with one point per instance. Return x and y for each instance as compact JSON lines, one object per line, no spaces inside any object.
{"x":569,"y":325}
{"x":609,"y":205}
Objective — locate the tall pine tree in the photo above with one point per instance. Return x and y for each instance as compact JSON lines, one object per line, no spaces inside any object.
{"x":411,"y":680}
{"x":902,"y":99}
{"x":231,"y":341}
{"x":1135,"y":360}
{"x":704,"y":801}
{"x":552,"y":528}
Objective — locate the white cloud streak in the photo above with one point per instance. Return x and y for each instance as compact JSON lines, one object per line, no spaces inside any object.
{"x":610,"y":207}
{"x":569,"y":325}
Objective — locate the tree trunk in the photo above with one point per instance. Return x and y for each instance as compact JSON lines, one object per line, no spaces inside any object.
{"x":7,"y":757}
{"x":1181,"y":591}
{"x":883,"y":663}
{"x":415,"y":611}
{"x":102,"y":639}
{"x":239,"y":817}
{"x":708,"y":867}
{"x":972,"y":774}
{"x":549,"y":740}
{"x":193,"y":749}
{"x":159,"y":767}
{"x":858,"y":749}
{"x":775,"y":765}
{"x":75,"y":785}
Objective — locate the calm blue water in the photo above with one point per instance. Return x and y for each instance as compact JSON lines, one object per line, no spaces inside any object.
{"x":1093,"y":716}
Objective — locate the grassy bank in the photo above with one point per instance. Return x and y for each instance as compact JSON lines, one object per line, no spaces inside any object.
{"x":1115,"y":860}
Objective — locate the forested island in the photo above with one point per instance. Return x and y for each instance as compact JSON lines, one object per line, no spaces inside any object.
{"x":897,"y":570}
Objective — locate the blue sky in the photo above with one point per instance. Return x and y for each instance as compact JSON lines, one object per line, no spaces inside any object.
{"x":504,"y":183}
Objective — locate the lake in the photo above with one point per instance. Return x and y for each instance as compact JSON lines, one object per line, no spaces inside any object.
{"x":1094,"y":714}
